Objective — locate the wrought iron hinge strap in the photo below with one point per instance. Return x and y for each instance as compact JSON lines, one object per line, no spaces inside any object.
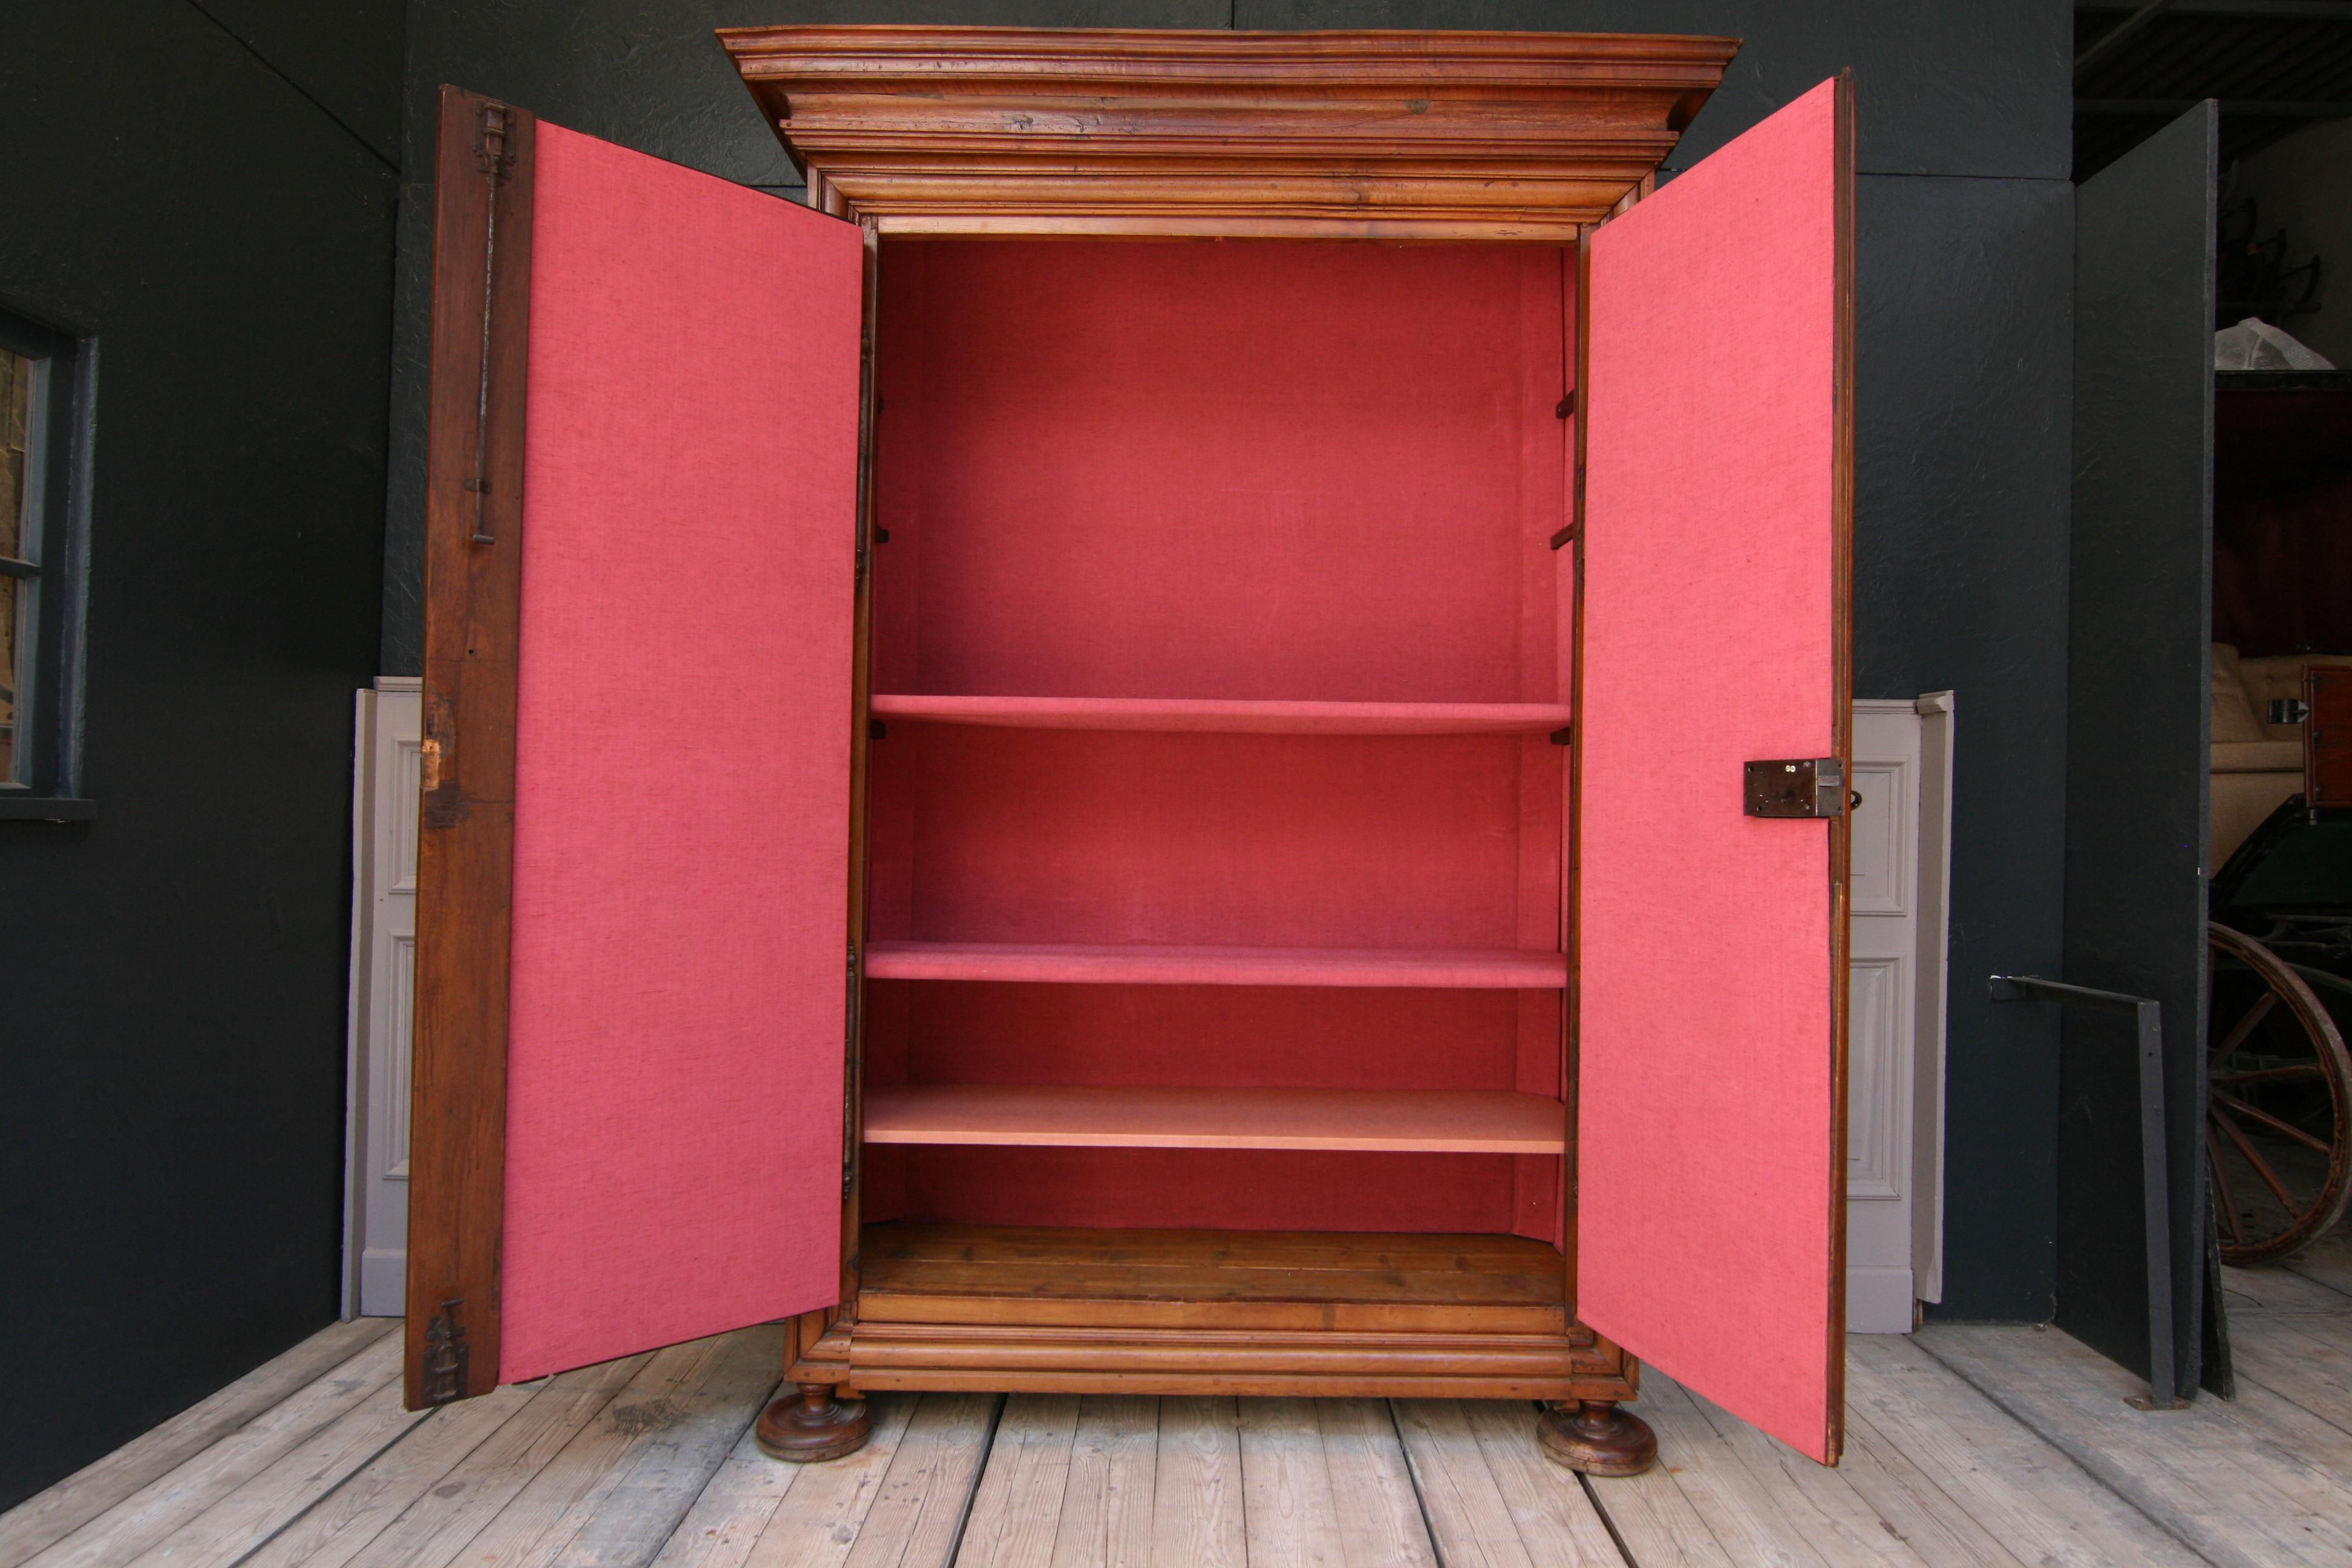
{"x":443,"y":1379}
{"x":494,"y":156}
{"x":868,"y":404}
{"x":849,"y":1080}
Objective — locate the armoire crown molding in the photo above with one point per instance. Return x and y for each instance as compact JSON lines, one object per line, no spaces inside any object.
{"x":1370,"y":135}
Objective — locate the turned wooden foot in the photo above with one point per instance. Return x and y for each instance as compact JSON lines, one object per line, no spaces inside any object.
{"x":812,"y":1425}
{"x":1597,"y":1437}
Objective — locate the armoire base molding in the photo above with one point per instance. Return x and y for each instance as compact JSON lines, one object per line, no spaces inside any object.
{"x":865,"y":1356}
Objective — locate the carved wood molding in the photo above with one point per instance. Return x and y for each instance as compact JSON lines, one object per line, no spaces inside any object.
{"x":1399,"y":135}
{"x":1464,"y":1363}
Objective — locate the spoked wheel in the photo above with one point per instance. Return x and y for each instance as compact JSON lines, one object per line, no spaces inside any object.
{"x":2278,"y":1103}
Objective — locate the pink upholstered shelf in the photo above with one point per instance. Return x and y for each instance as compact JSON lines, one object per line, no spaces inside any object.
{"x":1465,"y":1121}
{"x":1248,"y":718}
{"x":1072,"y":963}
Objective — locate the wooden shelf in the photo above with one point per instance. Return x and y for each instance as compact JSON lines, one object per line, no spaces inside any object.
{"x":1446,"y":969}
{"x":1232,"y":717}
{"x":1300,"y":1282}
{"x":1452,"y":1121}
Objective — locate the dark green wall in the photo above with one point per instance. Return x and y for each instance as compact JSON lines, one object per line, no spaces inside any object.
{"x":210,"y":194}
{"x":1966,"y":289}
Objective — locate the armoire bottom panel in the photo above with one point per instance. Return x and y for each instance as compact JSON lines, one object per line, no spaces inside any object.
{"x":1254,"y":1280}
{"x":1330,"y":1365}
{"x":1042,"y":1310}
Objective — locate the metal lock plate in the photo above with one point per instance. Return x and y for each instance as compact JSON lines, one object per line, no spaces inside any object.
{"x":1797,"y":786}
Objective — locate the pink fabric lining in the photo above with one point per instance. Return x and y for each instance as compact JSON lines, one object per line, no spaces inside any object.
{"x":681,"y":802}
{"x":1705,"y":1093}
{"x":1220,"y":577}
{"x":1200,"y":839}
{"x":1233,"y":718}
{"x":1239,"y":1036}
{"x":1176,"y":1035}
{"x":1221,"y":1189}
{"x":1070,"y":963}
{"x":1279,"y":471}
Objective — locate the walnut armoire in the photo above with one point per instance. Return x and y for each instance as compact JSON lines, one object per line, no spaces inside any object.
{"x":1189,"y":737}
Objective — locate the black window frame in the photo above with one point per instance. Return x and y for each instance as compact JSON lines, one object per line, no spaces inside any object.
{"x":53,"y":541}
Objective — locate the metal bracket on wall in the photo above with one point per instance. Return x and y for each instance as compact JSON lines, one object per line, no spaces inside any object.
{"x":2156,"y":1193}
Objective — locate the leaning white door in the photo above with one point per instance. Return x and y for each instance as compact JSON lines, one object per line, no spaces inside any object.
{"x":384,"y":980}
{"x":1895,"y":1012}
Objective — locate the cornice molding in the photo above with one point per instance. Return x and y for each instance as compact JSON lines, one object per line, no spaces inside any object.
{"x":1408,"y":135}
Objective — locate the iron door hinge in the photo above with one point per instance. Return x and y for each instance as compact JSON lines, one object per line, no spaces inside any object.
{"x":494,"y":156}
{"x":1798,"y":786}
{"x":493,"y":152}
{"x":444,"y":1378}
{"x":849,"y":1082}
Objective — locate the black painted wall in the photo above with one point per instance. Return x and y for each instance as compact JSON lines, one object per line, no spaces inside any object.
{"x":210,"y":193}
{"x":1964,"y":264}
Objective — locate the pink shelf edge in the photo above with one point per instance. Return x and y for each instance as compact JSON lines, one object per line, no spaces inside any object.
{"x":1234,"y":716}
{"x":1050,"y":963}
{"x":1471,"y":1122}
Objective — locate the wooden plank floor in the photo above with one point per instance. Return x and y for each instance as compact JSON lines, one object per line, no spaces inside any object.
{"x":1967,"y":1445}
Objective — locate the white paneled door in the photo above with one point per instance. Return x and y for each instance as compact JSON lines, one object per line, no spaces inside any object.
{"x":1901,"y":765}
{"x":383,"y":956}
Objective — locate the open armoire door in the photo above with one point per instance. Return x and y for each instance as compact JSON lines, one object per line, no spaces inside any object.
{"x":633,"y":867}
{"x":1713,"y":695}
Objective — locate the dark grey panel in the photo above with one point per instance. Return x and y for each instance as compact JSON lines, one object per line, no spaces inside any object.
{"x":1942,"y":87}
{"x":172,"y":1037}
{"x":2138,"y":723}
{"x":1962,"y":379}
{"x":346,"y":55}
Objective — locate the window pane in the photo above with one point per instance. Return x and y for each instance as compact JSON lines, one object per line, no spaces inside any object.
{"x":15,"y":399}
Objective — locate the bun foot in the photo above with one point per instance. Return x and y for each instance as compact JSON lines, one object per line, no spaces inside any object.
{"x":1596,"y":1437}
{"x":812,"y":1425}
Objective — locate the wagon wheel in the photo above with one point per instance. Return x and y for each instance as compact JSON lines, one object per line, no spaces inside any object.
{"x":2278,"y":1103}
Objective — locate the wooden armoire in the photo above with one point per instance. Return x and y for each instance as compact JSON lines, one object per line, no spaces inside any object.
{"x":1188,"y":737}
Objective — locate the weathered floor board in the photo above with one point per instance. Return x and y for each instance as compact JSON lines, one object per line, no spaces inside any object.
{"x":73,"y":1502}
{"x":2326,"y":1262}
{"x":1107,"y":1506}
{"x":2215,"y":1477}
{"x":1966,"y":1446}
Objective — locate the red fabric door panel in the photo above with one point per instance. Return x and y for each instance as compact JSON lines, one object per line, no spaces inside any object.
{"x":1711,"y":974}
{"x":675,"y":1056}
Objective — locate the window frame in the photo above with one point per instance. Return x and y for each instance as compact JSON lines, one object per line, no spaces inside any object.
{"x":52,"y":556}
